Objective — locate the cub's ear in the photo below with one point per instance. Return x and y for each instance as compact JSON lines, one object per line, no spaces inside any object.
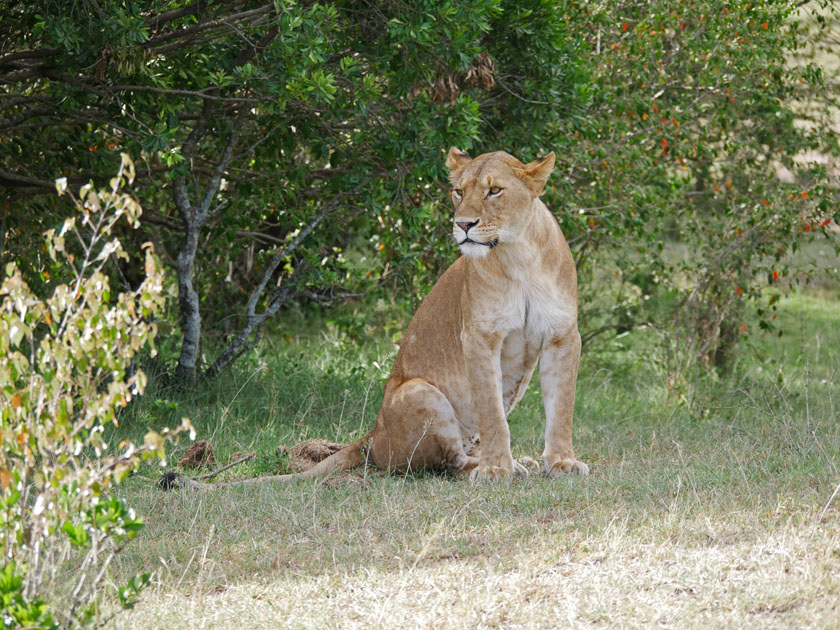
{"x":536,"y":173}
{"x":456,"y":162}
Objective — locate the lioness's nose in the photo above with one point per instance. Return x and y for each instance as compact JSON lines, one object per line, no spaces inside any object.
{"x":466,"y":225}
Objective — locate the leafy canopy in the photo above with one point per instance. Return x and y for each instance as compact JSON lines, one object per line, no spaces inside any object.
{"x":671,"y":120}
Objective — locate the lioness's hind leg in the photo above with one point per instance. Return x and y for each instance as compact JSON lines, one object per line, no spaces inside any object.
{"x":422,"y":430}
{"x":469,"y":464}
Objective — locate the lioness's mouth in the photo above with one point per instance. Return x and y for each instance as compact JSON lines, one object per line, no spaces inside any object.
{"x":491,"y":243}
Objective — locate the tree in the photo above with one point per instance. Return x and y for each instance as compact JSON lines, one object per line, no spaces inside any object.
{"x":695,"y":109}
{"x":294,"y":150}
{"x":273,"y":137}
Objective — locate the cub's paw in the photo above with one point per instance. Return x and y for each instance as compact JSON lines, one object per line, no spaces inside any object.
{"x":488,"y":472}
{"x":554,"y":467}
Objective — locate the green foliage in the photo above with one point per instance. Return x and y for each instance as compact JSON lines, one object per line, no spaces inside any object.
{"x":65,"y":373}
{"x":17,"y":611}
{"x":670,"y":120}
{"x":696,"y":110}
{"x":337,"y":108}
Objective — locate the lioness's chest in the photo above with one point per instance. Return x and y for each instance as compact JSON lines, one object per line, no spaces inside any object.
{"x":535,"y":312}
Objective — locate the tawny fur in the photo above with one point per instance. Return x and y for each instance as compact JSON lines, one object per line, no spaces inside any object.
{"x":472,"y":346}
{"x":306,"y":454}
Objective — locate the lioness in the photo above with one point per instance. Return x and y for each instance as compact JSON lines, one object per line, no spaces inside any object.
{"x":469,"y":352}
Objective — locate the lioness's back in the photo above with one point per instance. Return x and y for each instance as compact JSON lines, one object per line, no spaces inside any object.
{"x":433,"y":338}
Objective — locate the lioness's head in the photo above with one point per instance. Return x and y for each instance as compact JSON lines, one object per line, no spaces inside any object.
{"x":494,"y":197}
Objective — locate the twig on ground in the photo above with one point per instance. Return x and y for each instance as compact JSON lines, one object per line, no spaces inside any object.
{"x":210,"y":475}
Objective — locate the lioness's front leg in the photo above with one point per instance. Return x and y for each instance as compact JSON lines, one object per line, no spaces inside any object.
{"x":558,"y":375}
{"x":482,"y":352}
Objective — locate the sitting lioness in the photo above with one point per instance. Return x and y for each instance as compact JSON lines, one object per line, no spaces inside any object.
{"x":469,"y":352}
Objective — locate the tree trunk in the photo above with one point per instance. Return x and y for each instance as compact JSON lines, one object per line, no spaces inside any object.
{"x":185,"y":372}
{"x":196,"y":213}
{"x":195,"y":216}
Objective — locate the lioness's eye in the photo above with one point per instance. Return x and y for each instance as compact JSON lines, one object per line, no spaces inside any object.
{"x":494,"y":190}
{"x":458,"y":192}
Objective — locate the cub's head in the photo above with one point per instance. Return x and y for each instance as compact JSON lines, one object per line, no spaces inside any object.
{"x":494,"y":197}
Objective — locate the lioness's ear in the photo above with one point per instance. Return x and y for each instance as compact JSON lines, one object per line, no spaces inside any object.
{"x":536,"y":173}
{"x":456,"y":162}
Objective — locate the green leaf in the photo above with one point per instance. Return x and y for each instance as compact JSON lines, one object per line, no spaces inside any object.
{"x":130,"y":591}
{"x":76,"y":533}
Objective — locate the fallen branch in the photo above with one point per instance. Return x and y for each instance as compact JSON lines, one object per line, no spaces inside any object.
{"x":174,"y":480}
{"x":210,"y":475}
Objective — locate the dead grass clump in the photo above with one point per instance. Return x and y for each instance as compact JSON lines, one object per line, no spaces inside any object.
{"x":198,"y":455}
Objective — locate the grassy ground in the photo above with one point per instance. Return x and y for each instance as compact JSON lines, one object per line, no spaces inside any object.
{"x":707,"y":508}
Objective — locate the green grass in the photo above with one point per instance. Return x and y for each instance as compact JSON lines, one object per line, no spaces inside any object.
{"x":704,"y":509}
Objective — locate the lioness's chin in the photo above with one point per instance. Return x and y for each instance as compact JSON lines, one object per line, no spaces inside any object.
{"x":474,"y":250}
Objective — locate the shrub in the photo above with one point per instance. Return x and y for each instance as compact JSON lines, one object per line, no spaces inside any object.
{"x":65,"y":373}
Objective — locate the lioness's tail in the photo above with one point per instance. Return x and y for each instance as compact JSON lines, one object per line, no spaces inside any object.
{"x":346,"y":459}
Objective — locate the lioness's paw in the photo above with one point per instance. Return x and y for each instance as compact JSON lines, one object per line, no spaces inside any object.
{"x":519,"y":469}
{"x":485,"y":472}
{"x":530,"y":464}
{"x":555,"y":468}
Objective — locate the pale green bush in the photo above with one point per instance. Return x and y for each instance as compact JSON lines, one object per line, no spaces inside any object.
{"x":64,"y":375}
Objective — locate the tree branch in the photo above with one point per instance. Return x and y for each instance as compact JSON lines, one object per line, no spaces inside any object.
{"x":286,"y":250}
{"x":210,"y":475}
{"x":17,"y":119}
{"x":23,"y":180}
{"x":39,"y":53}
{"x":219,"y":170}
{"x":255,"y":320}
{"x":176,"y":92}
{"x":223,"y":21}
{"x":168,"y":16}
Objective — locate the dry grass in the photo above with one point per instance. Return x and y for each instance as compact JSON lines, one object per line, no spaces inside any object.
{"x":787,"y":578}
{"x":701,"y":513}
